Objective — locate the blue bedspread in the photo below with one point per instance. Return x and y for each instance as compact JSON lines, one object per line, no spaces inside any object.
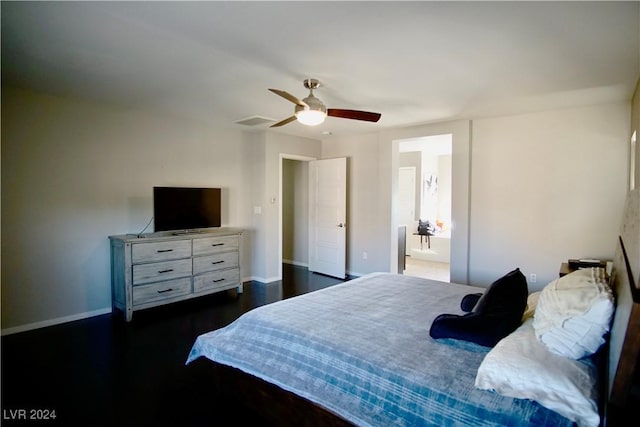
{"x":362,"y":349}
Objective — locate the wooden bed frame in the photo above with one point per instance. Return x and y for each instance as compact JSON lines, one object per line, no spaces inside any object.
{"x":283,"y":408}
{"x":271,"y":403}
{"x":623,"y":375}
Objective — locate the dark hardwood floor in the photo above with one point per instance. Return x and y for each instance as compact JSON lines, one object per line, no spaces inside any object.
{"x":103,"y":371}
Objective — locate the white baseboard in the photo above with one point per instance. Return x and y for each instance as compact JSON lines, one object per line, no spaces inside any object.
{"x":263,"y":279}
{"x":298,"y":263}
{"x":52,"y":322}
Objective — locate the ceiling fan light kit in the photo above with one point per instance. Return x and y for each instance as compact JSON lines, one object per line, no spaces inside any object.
{"x":310,"y":117}
{"x":311,"y":111}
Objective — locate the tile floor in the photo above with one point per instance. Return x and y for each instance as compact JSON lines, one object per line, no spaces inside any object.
{"x":427,"y":269}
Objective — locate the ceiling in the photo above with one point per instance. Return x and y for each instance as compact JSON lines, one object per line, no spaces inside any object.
{"x":413,"y":62}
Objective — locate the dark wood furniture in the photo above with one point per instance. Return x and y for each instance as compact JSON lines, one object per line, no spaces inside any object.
{"x":623,"y":382}
{"x":422,"y":236}
{"x":565,"y":269}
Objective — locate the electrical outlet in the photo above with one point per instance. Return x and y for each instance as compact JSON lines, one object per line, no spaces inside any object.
{"x":365,"y":255}
{"x":533,"y":277}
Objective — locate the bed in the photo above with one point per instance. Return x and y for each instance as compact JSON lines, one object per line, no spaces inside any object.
{"x":359,"y":354}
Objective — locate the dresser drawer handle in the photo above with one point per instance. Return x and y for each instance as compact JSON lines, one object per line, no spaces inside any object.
{"x":165,"y":271}
{"x":165,"y":290}
{"x":218,"y":244}
{"x":217,"y":262}
{"x":164,"y":250}
{"x":218,"y":280}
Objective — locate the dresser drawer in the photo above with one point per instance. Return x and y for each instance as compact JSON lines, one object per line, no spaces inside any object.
{"x":160,"y":291}
{"x":160,"y":251}
{"x":145,"y":273}
{"x":216,"y":280}
{"x":202,"y":264}
{"x":212,"y":245}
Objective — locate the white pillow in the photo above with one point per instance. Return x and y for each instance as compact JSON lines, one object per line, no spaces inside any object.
{"x":532,"y":302}
{"x":574,"y":313}
{"x":520,"y":366}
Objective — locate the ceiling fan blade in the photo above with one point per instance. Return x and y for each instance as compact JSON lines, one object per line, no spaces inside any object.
{"x":283,"y":122}
{"x":354,"y":114}
{"x":288,"y":96}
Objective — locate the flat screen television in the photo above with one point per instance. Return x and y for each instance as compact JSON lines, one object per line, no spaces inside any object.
{"x":186,"y":208}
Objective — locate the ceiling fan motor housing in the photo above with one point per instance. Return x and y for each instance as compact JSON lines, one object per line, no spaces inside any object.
{"x":313,"y":103}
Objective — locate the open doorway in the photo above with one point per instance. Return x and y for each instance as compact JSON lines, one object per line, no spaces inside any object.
{"x":295,"y":210}
{"x":424,"y":189}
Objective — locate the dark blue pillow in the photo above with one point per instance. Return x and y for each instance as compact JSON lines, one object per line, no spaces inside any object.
{"x":497,"y":313}
{"x":469,"y":302}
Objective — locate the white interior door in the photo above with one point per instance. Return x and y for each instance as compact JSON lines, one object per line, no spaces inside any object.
{"x":327,"y":216}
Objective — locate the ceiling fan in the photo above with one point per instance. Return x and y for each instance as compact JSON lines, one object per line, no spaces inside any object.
{"x":311,"y":111}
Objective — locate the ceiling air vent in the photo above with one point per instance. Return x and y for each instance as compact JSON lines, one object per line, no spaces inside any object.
{"x":254,"y":121}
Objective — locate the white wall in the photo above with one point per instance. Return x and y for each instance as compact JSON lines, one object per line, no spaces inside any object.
{"x":635,"y":127}
{"x":444,"y":188}
{"x":278,"y":147}
{"x":540,"y":188}
{"x":295,"y":212}
{"x":255,"y":236}
{"x":74,"y":173}
{"x":546,"y":187}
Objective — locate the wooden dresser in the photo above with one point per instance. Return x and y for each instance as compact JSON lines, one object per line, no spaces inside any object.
{"x":161,"y":268}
